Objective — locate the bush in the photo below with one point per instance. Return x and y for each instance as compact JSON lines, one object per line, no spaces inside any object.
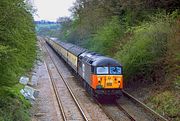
{"x":143,"y":55}
{"x":17,"y":41}
{"x":107,"y":36}
{"x":13,"y":106}
{"x":165,"y":104}
{"x":17,"y":54}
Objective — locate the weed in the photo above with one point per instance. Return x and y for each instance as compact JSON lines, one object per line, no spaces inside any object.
{"x":13,"y":106}
{"x":166,"y":104}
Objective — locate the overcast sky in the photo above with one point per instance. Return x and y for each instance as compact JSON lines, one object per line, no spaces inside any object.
{"x":52,"y":9}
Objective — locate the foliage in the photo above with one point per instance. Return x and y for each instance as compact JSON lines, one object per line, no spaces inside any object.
{"x":90,"y":17}
{"x":17,"y":54}
{"x":165,"y":103}
{"x":13,"y":106}
{"x":143,"y":55}
{"x":17,"y":40}
{"x":107,"y":36}
{"x":48,"y":29}
{"x":177,"y":82}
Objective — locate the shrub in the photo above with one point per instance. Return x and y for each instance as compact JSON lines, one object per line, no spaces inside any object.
{"x":13,"y":106}
{"x":17,"y":41}
{"x":17,"y":54}
{"x":107,"y":36}
{"x":143,"y":55}
{"x":165,"y":103}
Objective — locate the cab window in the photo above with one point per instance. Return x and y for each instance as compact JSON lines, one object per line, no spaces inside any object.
{"x":102,"y":70}
{"x":115,"y":70}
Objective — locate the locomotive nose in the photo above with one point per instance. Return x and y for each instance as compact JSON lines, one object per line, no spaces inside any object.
{"x":108,"y":81}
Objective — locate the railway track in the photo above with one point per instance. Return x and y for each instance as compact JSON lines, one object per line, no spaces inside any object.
{"x":129,"y":115}
{"x":56,"y":94}
{"x":157,"y":116}
{"x":58,"y":98}
{"x":121,"y":113}
{"x":124,"y":111}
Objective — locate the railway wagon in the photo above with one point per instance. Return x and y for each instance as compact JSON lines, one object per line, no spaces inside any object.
{"x":67,"y":51}
{"x":101,"y":75}
{"x":73,"y":54}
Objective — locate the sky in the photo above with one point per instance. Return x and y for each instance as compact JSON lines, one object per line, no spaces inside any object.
{"x":52,"y":9}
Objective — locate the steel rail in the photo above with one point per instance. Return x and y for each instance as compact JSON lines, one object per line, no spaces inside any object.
{"x":55,"y":90}
{"x":161,"y":118}
{"x":118,"y":106}
{"x":56,"y":93}
{"x":69,"y":88}
{"x":125,"y":112}
{"x":101,"y":106}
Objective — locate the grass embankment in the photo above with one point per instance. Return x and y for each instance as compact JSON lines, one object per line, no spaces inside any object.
{"x":17,"y":54}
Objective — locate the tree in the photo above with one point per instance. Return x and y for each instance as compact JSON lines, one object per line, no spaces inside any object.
{"x":17,"y":40}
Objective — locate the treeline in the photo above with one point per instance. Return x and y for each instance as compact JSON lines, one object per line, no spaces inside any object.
{"x":17,"y":54}
{"x":141,"y":34}
{"x":45,"y":22}
{"x":92,"y":15}
{"x":47,"y":28}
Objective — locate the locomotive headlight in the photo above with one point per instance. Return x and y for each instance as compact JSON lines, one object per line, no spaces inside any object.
{"x":119,"y":83}
{"x":119,"y":79}
{"x":99,"y":80}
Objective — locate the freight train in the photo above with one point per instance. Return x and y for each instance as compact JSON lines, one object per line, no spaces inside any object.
{"x":100,"y":75}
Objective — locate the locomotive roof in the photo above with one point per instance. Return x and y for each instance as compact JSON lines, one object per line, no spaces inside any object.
{"x":104,"y":61}
{"x":98,"y":60}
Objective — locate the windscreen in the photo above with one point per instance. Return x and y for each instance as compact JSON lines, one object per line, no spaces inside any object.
{"x":115,"y":70}
{"x":102,"y":70}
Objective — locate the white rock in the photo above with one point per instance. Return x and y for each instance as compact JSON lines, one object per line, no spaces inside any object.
{"x":24,"y":80}
{"x":29,"y":93}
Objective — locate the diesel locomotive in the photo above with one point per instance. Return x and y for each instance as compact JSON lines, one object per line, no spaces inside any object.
{"x":100,"y":75}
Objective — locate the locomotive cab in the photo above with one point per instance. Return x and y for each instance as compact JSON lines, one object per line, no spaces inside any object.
{"x":107,"y":77}
{"x":102,"y":74}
